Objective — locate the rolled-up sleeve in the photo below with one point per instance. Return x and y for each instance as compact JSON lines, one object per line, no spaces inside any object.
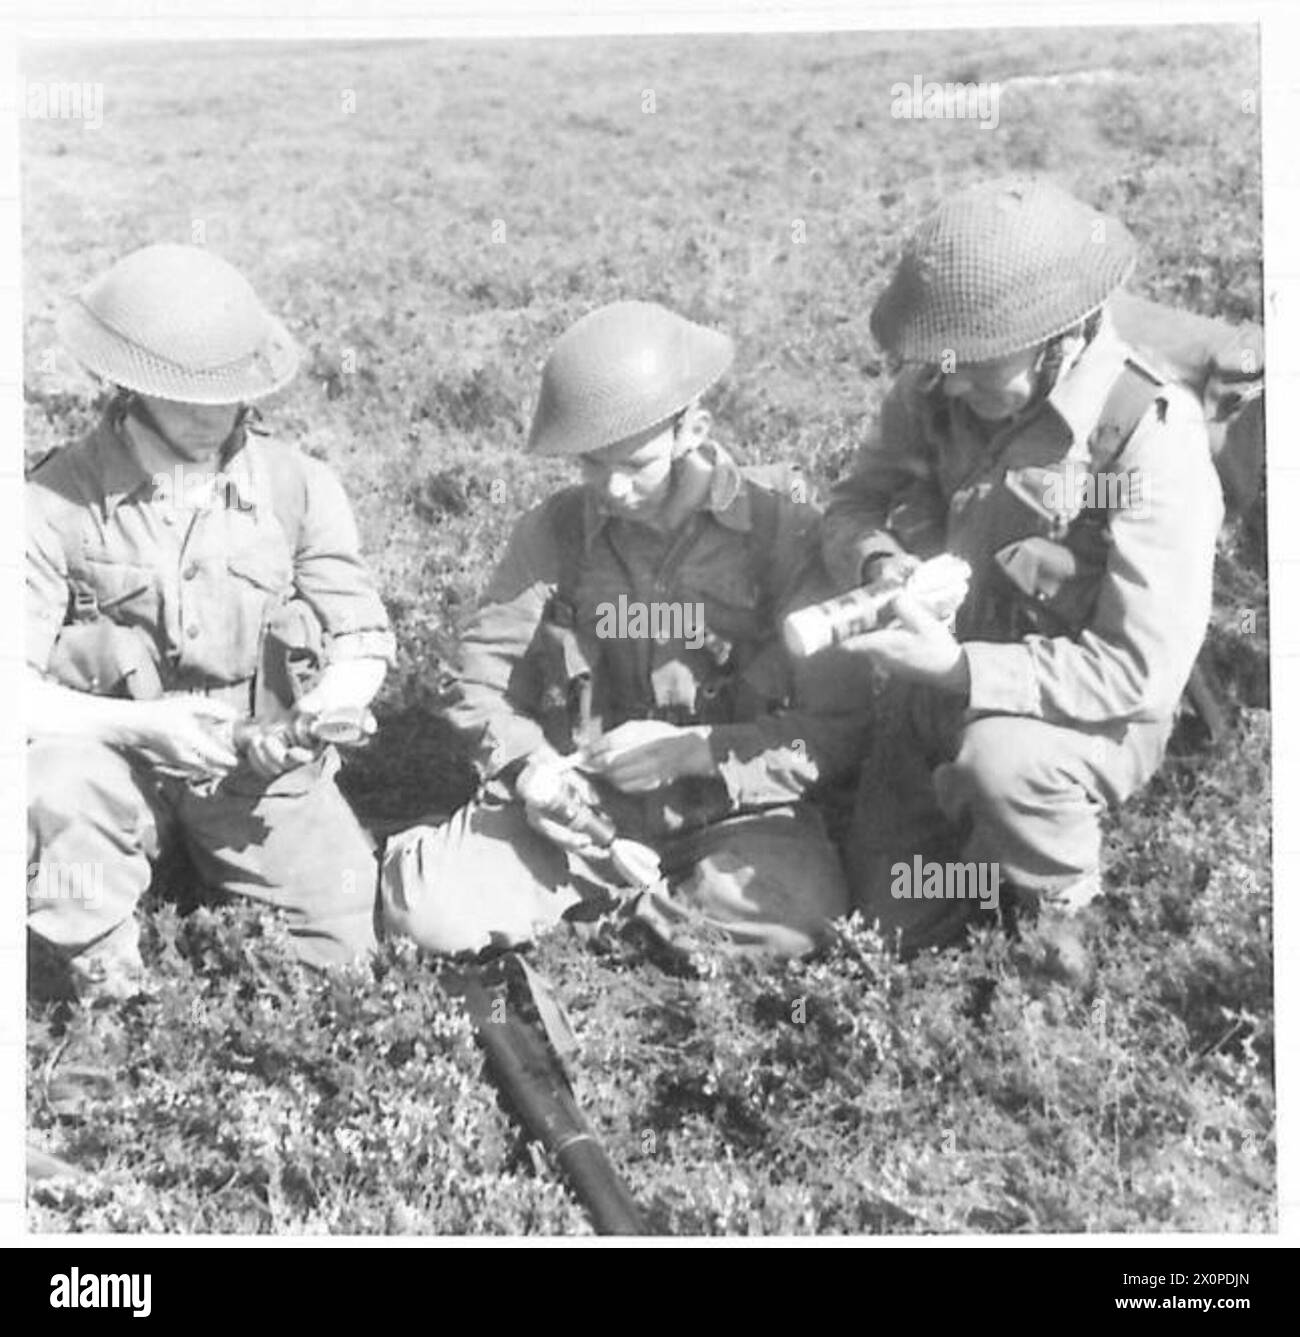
{"x":331,"y":575}
{"x":486,"y":704}
{"x":1133,"y":659}
{"x":892,"y":501}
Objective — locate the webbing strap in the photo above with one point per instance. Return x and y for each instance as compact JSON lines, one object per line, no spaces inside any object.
{"x":1134,"y":391}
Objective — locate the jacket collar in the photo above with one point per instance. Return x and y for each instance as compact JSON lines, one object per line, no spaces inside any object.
{"x":1081,"y":391}
{"x":1076,"y":400}
{"x":122,"y":476}
{"x":727,"y":498}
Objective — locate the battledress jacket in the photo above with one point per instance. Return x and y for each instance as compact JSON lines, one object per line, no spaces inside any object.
{"x":544,"y":659}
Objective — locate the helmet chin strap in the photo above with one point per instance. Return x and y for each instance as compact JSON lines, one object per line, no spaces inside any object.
{"x":127,"y":403}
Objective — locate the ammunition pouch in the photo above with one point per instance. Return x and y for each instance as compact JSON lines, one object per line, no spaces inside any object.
{"x":1044,"y":589}
{"x":107,"y":659}
{"x":707,"y":687}
{"x":563,"y":677}
{"x":290,"y":658}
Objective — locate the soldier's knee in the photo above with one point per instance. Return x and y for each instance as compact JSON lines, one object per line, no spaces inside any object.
{"x":453,"y":889}
{"x":778,"y":887}
{"x":986,"y":764}
{"x":1000,"y":763}
{"x":78,"y":781}
{"x":414,"y":903}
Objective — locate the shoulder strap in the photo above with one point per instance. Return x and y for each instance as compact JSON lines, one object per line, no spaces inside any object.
{"x":567,"y":524}
{"x":1135,"y":389}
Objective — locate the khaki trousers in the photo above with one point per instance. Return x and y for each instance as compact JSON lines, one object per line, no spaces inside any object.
{"x":766,"y":881}
{"x":993,"y":789}
{"x":96,"y":820}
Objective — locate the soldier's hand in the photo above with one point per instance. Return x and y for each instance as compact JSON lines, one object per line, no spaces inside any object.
{"x":541,"y":787}
{"x":643,"y":755}
{"x":190,"y":734}
{"x":270,"y":753}
{"x":918,"y":647}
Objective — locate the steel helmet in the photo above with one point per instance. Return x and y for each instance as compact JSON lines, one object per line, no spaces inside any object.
{"x":179,"y":323}
{"x":620,"y":370}
{"x":999,"y":268}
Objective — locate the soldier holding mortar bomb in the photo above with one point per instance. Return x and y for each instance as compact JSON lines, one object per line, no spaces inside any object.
{"x":663,"y":761}
{"x":1026,"y":437}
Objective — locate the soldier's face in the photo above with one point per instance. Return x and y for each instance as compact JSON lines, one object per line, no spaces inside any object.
{"x":633,"y":478}
{"x":195,"y":431}
{"x":995,"y":390}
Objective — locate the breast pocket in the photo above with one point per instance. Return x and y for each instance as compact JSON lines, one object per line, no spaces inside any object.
{"x":257,"y":581}
{"x":1052,"y":495}
{"x":1054,"y":586}
{"x":597,"y":594}
{"x":266,"y":571}
{"x":732,"y":603}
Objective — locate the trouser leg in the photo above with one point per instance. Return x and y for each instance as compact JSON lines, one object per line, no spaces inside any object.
{"x":1033,"y":793}
{"x":767,"y":881}
{"x":93,"y":828}
{"x":897,"y":815}
{"x":1005,"y":791}
{"x":484,"y":878}
{"x":294,"y":844}
{"x":770,"y":881}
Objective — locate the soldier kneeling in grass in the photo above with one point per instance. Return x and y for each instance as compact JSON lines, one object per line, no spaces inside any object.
{"x":641,"y":736}
{"x":197,"y":608}
{"x":1019,"y":407}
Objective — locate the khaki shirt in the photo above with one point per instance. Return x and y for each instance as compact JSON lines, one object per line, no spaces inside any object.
{"x":1136,"y":598}
{"x":196,"y":570}
{"x":777,"y":729}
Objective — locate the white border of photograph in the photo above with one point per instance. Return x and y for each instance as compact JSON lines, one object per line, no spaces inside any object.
{"x":165,"y":20}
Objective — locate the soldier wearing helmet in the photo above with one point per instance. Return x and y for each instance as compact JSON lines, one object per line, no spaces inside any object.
{"x":665,"y":763}
{"x":1024,"y":435}
{"x":166,"y":554}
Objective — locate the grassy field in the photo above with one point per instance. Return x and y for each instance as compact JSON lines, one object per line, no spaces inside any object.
{"x":427,"y":219}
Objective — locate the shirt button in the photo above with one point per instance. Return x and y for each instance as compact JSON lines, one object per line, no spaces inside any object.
{"x":192,"y":632}
{"x":168,"y":518}
{"x":190,"y":571}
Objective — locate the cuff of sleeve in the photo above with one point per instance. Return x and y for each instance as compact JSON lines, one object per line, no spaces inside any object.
{"x":1002,"y":680}
{"x":364,"y":645}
